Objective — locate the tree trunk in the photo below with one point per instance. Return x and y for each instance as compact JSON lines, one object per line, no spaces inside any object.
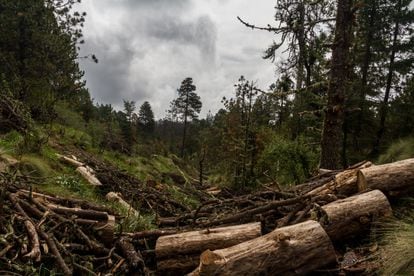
{"x":347,"y":217}
{"x":183,"y":247}
{"x":291,"y":250}
{"x":384,"y":105}
{"x":393,"y":178}
{"x":338,"y":82}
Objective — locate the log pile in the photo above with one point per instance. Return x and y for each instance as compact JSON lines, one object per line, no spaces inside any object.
{"x":335,"y":207}
{"x":270,"y":232}
{"x":59,"y":235}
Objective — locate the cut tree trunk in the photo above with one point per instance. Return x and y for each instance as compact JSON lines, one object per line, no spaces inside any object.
{"x":291,"y":250}
{"x":70,"y":161}
{"x":88,"y":175}
{"x":342,"y":219}
{"x":195,"y":242}
{"x":343,"y":184}
{"x":393,"y":178}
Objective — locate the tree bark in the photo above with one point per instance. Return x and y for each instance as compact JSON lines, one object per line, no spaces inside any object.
{"x":338,"y":82}
{"x":198,"y":241}
{"x":393,"y":178}
{"x":342,"y":219}
{"x":291,"y":250}
{"x":177,"y":252}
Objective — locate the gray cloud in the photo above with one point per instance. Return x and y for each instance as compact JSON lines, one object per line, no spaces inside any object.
{"x":147,"y":47}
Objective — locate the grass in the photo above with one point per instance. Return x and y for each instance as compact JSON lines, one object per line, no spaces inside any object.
{"x":178,"y":195}
{"x":10,"y":141}
{"x":397,"y":244}
{"x":400,"y":150}
{"x":57,"y":178}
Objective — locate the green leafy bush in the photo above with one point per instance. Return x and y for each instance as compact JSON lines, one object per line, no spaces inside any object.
{"x":289,"y":162}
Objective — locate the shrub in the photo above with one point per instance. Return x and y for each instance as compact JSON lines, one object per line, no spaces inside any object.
{"x":289,"y":162}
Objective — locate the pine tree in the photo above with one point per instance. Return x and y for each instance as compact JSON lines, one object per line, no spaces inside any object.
{"x":146,"y":119}
{"x":186,"y":106}
{"x":38,"y":52}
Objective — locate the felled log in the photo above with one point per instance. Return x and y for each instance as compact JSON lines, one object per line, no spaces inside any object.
{"x":194,"y":242}
{"x":70,"y":161}
{"x":89,"y":176}
{"x":292,"y":250}
{"x":392,"y":178}
{"x":343,"y":183}
{"x":115,"y":197}
{"x":350,"y":216}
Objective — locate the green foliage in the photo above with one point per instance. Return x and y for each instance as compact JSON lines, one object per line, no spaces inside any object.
{"x":187,"y":104}
{"x":39,"y":52}
{"x":289,"y":162}
{"x":146,"y":119}
{"x":399,"y":150}
{"x":178,"y":195}
{"x":10,"y":140}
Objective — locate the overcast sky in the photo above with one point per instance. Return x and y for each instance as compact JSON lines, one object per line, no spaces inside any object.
{"x":147,"y":47}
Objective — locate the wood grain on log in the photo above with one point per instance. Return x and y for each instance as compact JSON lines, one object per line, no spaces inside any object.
{"x":347,"y":217}
{"x":392,"y":177}
{"x":195,"y":242}
{"x":291,"y":250}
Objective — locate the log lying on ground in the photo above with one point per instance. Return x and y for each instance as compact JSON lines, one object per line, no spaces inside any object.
{"x":115,"y":197}
{"x":344,"y":183}
{"x":87,"y":173}
{"x":350,"y":216}
{"x":393,"y":178}
{"x":291,"y":250}
{"x":71,"y":161}
{"x":89,"y":176}
{"x":194,"y":242}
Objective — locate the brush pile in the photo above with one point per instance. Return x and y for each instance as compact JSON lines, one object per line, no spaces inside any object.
{"x":70,"y":236}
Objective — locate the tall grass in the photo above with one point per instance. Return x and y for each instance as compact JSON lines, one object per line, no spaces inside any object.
{"x":399,"y":150}
{"x":397,"y":246}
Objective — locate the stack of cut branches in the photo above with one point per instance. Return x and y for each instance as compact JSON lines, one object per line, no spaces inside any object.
{"x":69,"y":236}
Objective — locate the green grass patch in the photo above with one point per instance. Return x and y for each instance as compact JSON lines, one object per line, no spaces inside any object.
{"x":180,"y":196}
{"x":399,"y":150}
{"x":10,"y":141}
